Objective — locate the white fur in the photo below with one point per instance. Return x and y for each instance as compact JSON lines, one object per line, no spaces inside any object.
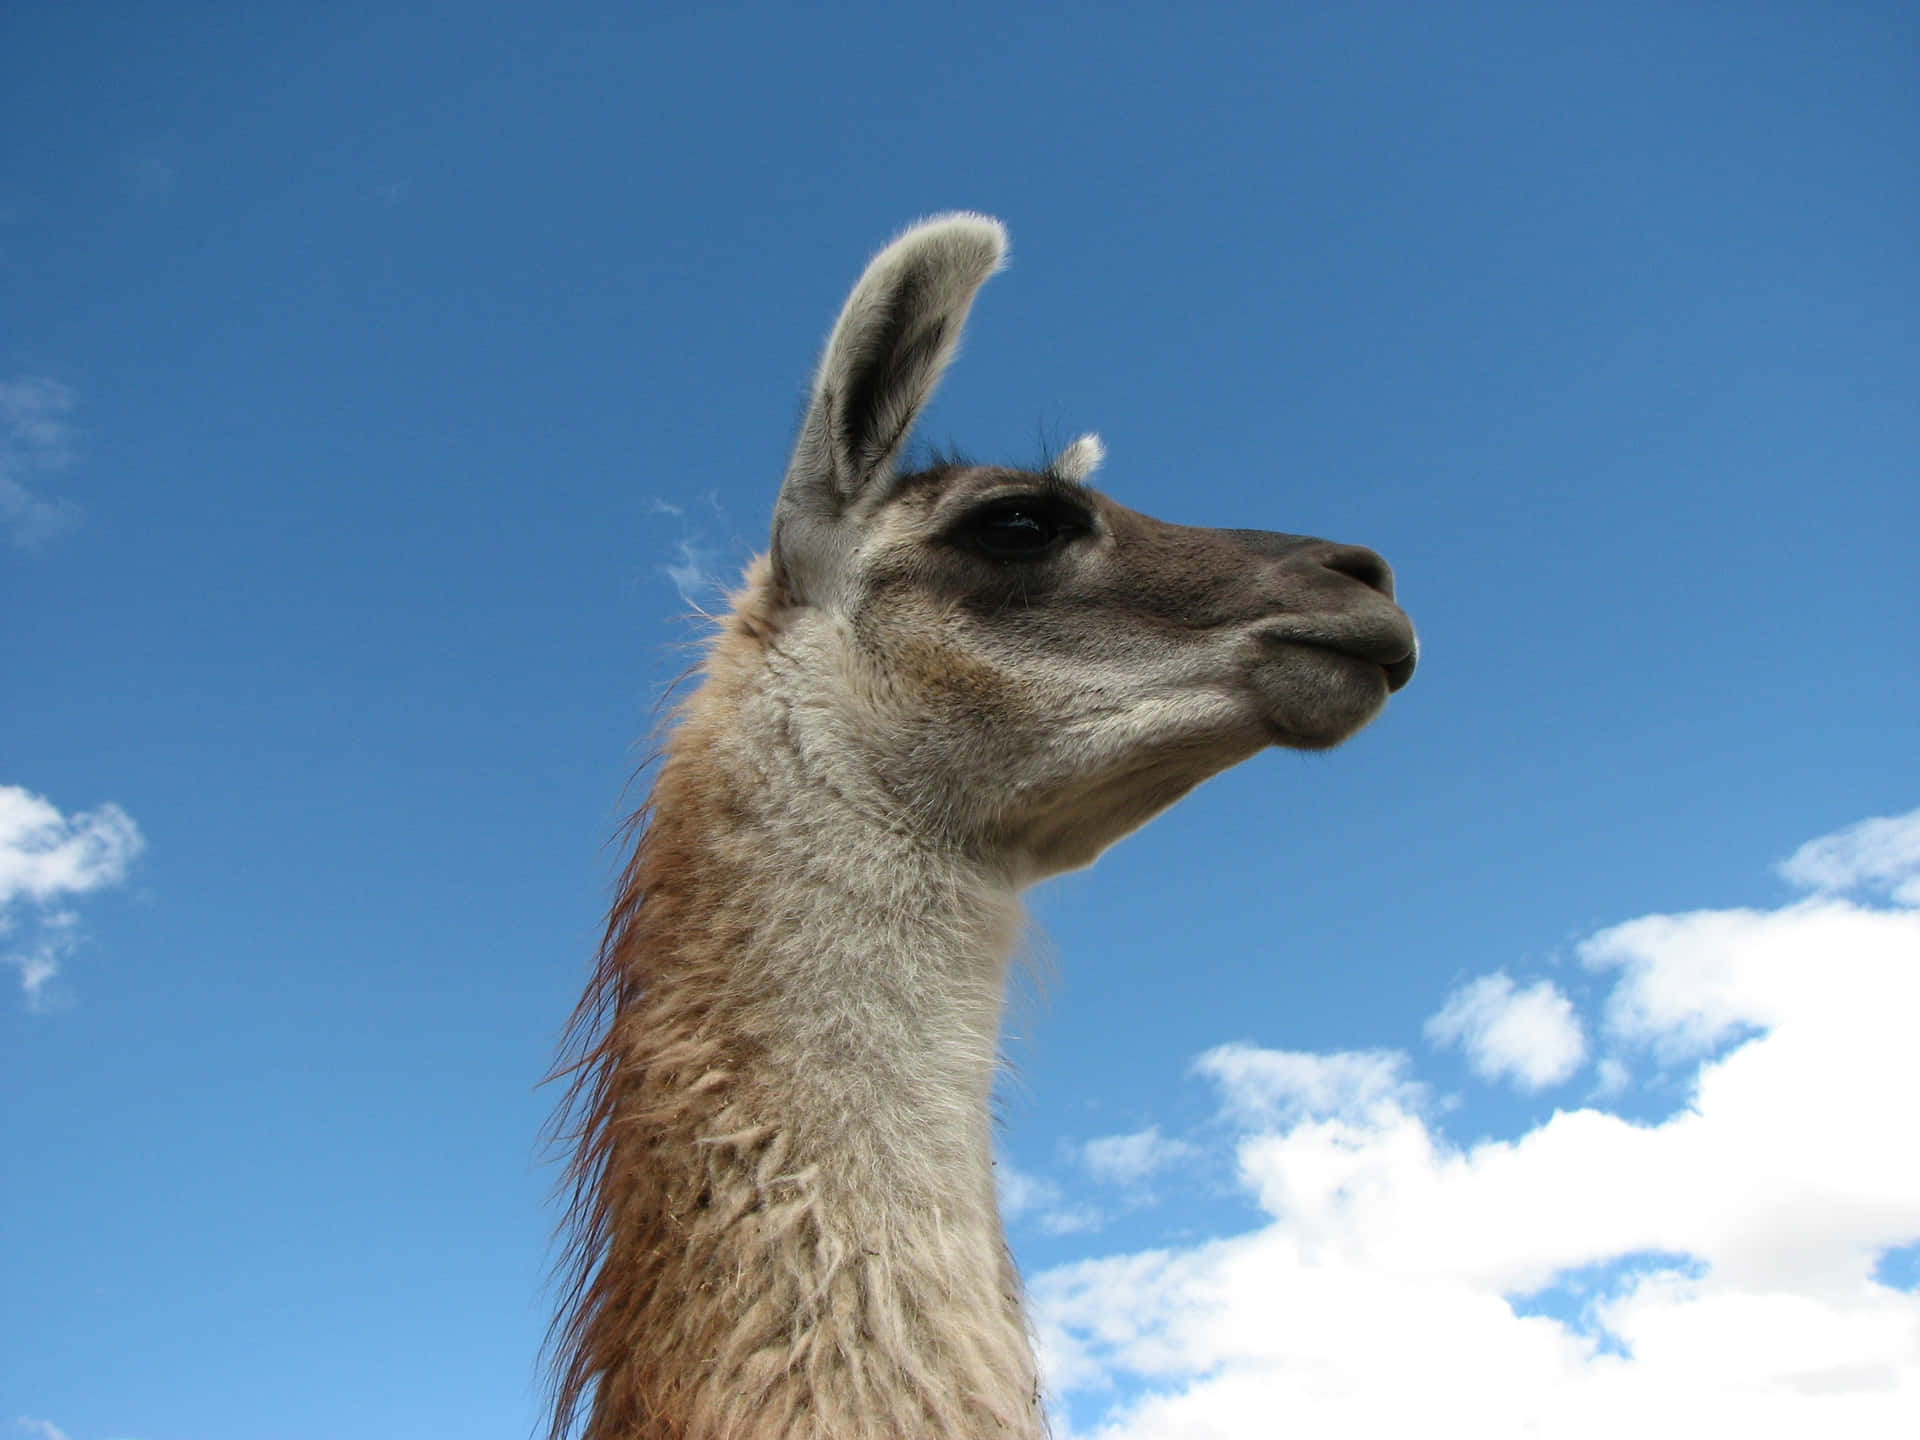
{"x":1080,"y":459}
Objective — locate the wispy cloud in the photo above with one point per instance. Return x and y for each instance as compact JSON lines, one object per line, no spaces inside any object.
{"x":1132,"y":1160}
{"x":1034,"y":1200}
{"x":693,"y":575}
{"x":1280,"y":1086}
{"x":42,"y":1429}
{"x":1610,"y":1076}
{"x":1531,"y":1036}
{"x":37,"y":443}
{"x":152,"y":177}
{"x":48,"y":859}
{"x":1879,"y":856}
{"x":696,"y":567}
{"x":1724,"y":1270}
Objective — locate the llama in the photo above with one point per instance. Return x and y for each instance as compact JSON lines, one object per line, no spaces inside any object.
{"x":937,"y":688}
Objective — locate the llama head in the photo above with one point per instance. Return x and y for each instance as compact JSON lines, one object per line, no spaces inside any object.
{"x":1023,"y":667}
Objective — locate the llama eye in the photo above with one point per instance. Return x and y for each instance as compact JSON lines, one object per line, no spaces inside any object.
{"x":1020,"y":530}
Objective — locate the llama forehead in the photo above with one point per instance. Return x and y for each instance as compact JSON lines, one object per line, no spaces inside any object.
{"x":938,"y":488}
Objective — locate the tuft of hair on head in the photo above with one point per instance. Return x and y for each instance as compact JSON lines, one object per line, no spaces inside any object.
{"x":1080,"y":459}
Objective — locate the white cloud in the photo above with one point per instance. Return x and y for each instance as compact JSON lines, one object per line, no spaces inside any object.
{"x":1034,"y":1200}
{"x":41,"y":1429}
{"x":37,"y":441}
{"x":1714,"y":1272}
{"x":46,"y":859}
{"x":45,"y":855}
{"x":1132,"y":1159}
{"x":1880,"y":855}
{"x":1611,"y":1076}
{"x":1285,"y":1085}
{"x":1532,"y":1036}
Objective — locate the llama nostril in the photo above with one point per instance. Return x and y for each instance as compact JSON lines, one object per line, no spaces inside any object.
{"x":1361,"y":564}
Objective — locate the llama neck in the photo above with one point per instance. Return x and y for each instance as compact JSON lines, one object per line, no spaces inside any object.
{"x":790,"y":1223}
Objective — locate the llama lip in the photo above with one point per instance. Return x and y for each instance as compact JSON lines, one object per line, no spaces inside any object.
{"x":1401,"y":671}
{"x":1393,"y":648}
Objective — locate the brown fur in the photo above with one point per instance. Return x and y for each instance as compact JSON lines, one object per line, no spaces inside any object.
{"x":722,"y":1286}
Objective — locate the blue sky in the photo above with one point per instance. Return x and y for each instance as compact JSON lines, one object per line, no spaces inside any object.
{"x":377,"y":390}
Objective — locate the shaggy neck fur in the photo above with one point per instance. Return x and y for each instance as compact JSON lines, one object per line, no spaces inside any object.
{"x":784,"y":1221}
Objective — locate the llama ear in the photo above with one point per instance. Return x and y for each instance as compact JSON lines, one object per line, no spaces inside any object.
{"x":895,"y":337}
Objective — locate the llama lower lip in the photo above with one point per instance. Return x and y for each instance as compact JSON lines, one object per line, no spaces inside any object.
{"x":1392,"y":653}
